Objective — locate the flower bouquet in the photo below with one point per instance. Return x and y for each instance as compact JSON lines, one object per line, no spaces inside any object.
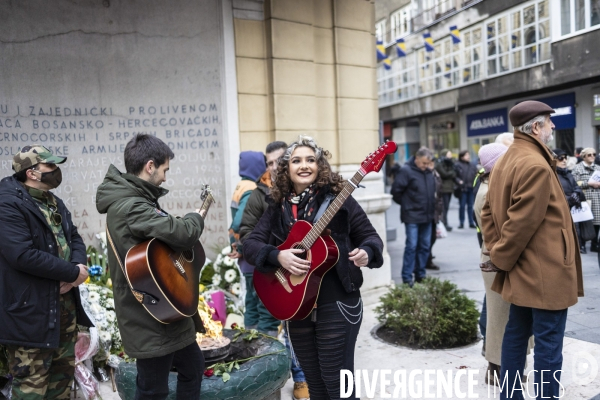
{"x":224,"y":274}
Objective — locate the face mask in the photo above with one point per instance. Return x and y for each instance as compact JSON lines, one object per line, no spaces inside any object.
{"x":52,"y":178}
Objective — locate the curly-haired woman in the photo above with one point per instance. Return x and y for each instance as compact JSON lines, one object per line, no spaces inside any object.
{"x":324,"y":341}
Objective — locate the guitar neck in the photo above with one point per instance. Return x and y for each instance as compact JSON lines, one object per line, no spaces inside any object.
{"x":333,"y":208}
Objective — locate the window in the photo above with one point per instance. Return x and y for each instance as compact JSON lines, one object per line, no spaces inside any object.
{"x":440,"y":69}
{"x":399,"y":82}
{"x":515,"y":39}
{"x":380,"y":31}
{"x":518,"y":38}
{"x":472,"y":55}
{"x":578,"y":15}
{"x":400,"y":23}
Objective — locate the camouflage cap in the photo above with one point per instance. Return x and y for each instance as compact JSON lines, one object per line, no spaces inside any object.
{"x":34,"y":154}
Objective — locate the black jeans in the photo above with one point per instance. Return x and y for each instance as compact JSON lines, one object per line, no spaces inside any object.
{"x":326,"y":346}
{"x":153,"y":374}
{"x":446,"y":197}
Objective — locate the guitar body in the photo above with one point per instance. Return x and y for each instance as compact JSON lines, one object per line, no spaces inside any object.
{"x":293,"y":297}
{"x":167,"y":279}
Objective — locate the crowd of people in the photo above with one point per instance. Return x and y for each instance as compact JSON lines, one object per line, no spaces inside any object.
{"x":520,"y":201}
{"x":518,"y":198}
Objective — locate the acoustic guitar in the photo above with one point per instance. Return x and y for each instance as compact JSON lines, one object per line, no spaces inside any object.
{"x":292,"y":297}
{"x":166,"y":281}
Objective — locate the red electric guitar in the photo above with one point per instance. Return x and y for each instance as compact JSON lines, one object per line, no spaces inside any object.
{"x":292,"y":297}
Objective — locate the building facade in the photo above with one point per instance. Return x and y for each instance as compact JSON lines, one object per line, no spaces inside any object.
{"x":482,"y":58}
{"x":211,"y":78}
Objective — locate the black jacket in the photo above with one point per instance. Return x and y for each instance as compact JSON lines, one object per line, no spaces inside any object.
{"x":466,"y":172}
{"x":414,"y":190}
{"x":568,"y":184}
{"x":350,"y":228}
{"x":445,"y":167}
{"x":31,"y":271}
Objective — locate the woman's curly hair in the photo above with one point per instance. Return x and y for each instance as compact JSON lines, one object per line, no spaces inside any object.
{"x":325,"y":176}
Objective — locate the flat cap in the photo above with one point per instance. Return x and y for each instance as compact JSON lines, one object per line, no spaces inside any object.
{"x":528,"y":110}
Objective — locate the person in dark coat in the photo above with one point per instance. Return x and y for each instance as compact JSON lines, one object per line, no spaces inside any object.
{"x":437,"y":216}
{"x":445,"y":168}
{"x":414,"y":189}
{"x":42,"y":263}
{"x":466,"y":173}
{"x":324,"y":341}
{"x":573,"y":191}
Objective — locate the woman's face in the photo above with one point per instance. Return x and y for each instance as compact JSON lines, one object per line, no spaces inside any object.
{"x":303,"y":168}
{"x":561,"y":161}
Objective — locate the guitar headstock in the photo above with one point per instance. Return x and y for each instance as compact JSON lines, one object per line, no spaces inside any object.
{"x":206,"y":197}
{"x":375,"y":160}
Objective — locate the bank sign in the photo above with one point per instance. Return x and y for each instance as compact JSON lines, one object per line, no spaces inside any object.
{"x":487,"y":123}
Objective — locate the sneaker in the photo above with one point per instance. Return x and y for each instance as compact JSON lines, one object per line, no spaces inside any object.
{"x":432,"y":266}
{"x":582,"y":250}
{"x":461,"y":226}
{"x":473,"y":226}
{"x":594,"y":249}
{"x":301,"y":391}
{"x":449,"y":228}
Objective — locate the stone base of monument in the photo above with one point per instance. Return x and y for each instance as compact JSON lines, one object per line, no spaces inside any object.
{"x":260,"y":378}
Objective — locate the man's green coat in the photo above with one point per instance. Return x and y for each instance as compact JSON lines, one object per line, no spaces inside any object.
{"x":133,"y":216}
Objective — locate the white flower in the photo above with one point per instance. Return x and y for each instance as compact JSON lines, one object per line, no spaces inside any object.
{"x":216,"y":280}
{"x":96,"y":308}
{"x":105,"y":336}
{"x":228,"y":261}
{"x":218,"y":260}
{"x":236,"y":288}
{"x":230,"y":275}
{"x":110,"y":303}
{"x":111,"y":316}
{"x":93,"y":297}
{"x":216,"y":268}
{"x":93,"y":288}
{"x":226,"y":250}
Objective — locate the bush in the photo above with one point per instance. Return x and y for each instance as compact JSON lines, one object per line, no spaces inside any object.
{"x":432,"y":314}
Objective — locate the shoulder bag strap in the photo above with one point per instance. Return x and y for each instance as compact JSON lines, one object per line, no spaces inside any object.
{"x":139,"y":296}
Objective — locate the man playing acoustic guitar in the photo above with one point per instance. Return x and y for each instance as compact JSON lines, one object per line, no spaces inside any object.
{"x":133,"y":215}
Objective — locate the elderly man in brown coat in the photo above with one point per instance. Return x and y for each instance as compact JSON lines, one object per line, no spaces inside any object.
{"x":530,"y":236}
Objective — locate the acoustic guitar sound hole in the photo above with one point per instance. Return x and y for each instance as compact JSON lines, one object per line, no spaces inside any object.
{"x":188,"y":255}
{"x":299,"y":247}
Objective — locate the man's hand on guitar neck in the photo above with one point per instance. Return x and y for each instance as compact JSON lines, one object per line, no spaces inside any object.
{"x":296,"y":265}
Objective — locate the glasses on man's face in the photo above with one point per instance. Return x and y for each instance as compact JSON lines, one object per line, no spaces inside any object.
{"x":561,"y":158}
{"x":56,"y":217}
{"x":591,"y":155}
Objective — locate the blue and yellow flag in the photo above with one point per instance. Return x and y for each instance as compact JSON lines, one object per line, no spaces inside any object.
{"x":455,"y":33}
{"x":514,"y":41}
{"x":387,"y":64}
{"x":401,"y":48}
{"x":381,"y":55}
{"x":428,"y":42}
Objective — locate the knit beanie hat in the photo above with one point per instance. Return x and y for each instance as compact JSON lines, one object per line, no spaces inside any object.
{"x":489,"y":154}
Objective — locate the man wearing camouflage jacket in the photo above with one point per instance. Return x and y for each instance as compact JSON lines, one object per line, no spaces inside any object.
{"x":42,"y":261}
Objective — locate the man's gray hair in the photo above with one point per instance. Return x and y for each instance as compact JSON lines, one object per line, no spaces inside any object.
{"x":527,"y":127}
{"x":424,"y":152}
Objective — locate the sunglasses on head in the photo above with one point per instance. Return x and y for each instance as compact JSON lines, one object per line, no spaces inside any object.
{"x":561,"y":158}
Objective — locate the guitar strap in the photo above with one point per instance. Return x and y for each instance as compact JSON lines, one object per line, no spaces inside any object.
{"x":328,"y":199}
{"x":139,"y":296}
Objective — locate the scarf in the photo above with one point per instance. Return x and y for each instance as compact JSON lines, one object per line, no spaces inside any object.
{"x":300,"y":207}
